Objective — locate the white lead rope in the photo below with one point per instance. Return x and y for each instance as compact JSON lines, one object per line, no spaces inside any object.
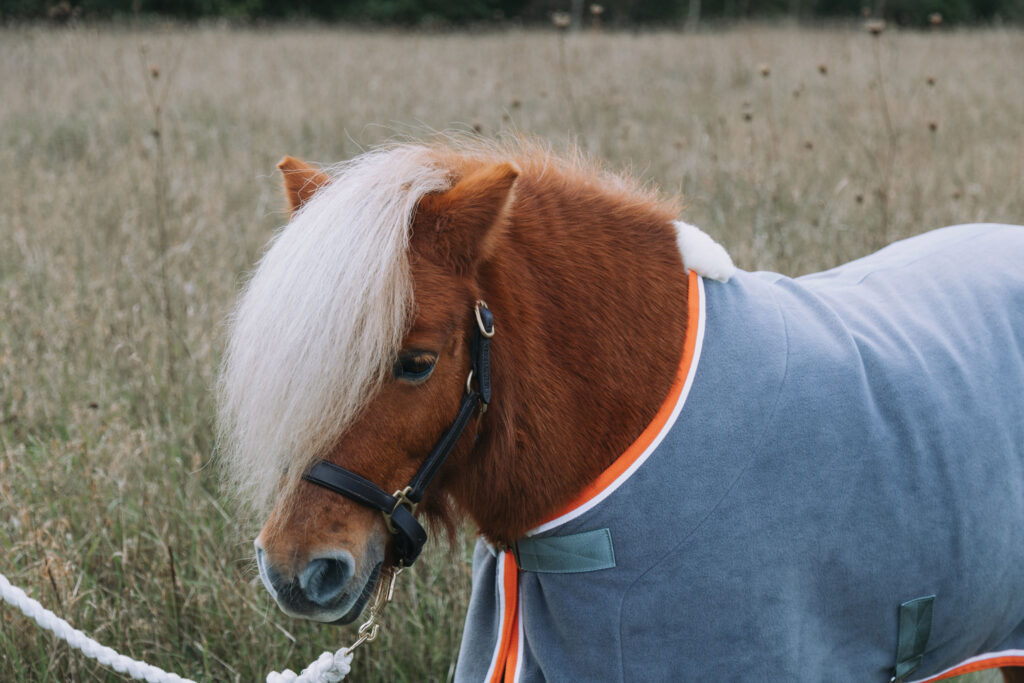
{"x":76,"y":639}
{"x":328,"y":668}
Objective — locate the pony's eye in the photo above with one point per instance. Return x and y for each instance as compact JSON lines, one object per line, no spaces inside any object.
{"x":414,"y":366}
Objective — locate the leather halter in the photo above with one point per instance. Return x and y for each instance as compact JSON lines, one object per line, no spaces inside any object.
{"x":398,"y":508}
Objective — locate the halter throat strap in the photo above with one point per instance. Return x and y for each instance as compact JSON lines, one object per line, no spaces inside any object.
{"x":398,"y":508}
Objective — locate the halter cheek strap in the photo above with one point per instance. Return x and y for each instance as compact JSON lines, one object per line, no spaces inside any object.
{"x":398,"y":508}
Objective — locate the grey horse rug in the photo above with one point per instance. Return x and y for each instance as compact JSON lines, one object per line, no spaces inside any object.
{"x":832,"y":491}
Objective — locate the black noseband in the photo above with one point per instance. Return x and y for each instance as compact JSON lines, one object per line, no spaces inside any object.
{"x":398,"y":507}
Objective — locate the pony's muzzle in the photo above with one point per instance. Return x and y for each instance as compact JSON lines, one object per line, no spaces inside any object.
{"x":319,"y":585}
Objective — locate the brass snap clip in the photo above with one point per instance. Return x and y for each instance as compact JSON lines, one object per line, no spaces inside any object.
{"x":382,"y":595}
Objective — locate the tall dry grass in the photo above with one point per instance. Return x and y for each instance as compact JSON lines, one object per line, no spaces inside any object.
{"x":137,"y":186}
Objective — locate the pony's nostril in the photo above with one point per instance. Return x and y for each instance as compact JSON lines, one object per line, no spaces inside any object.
{"x":325,"y":578}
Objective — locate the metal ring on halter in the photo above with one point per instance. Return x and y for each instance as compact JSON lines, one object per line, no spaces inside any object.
{"x":401,"y":498}
{"x":479,"y":320}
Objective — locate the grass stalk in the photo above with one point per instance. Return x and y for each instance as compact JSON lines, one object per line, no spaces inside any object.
{"x":566,"y":78}
{"x":156,"y":98}
{"x":889,"y":150}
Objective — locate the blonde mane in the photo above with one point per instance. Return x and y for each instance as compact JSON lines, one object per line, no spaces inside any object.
{"x":320,"y":321}
{"x":318,"y":325}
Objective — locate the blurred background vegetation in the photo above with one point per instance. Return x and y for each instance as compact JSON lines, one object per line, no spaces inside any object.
{"x":453,"y":13}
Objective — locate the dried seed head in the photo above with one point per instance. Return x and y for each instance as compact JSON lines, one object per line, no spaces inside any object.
{"x":62,"y":11}
{"x":933,"y":126}
{"x":154,"y":71}
{"x":875,"y":26}
{"x":515,"y":103}
{"x":930,"y":80}
{"x":765,"y":70}
{"x":597,"y":10}
{"x":823,"y":69}
{"x":561,"y":20}
{"x":935,"y":19}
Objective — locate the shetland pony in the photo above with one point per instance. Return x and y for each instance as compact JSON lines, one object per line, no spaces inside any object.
{"x":684,"y":472}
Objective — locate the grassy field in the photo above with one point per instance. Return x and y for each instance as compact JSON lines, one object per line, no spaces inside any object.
{"x":138,"y":186}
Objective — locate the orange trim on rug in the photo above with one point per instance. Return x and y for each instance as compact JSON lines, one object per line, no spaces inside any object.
{"x":978,"y":665}
{"x":637,"y":448}
{"x":512,"y":662}
{"x":509,"y":636}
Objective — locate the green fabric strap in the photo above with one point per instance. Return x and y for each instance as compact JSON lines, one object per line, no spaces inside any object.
{"x":914,"y":628}
{"x":585,"y":552}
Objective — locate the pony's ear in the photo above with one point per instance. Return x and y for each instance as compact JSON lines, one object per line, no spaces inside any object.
{"x":301,"y":181}
{"x":464,"y":223}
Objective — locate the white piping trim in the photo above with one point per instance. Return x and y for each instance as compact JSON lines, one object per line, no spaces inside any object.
{"x":972,"y":660}
{"x":691,"y":372}
{"x":500,"y":574}
{"x":519,"y":628}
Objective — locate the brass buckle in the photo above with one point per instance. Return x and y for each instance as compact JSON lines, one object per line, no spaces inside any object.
{"x":480,"y":320}
{"x":402,"y":498}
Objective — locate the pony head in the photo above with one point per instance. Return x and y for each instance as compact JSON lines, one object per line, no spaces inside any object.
{"x":350,"y":344}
